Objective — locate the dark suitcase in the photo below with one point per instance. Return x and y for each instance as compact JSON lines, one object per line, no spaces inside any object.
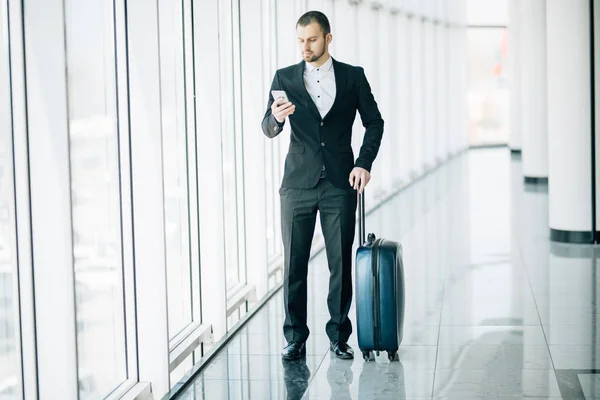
{"x":379,"y":292}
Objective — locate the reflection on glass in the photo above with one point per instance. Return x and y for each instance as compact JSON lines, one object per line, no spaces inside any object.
{"x":175,"y":165}
{"x":8,"y":263}
{"x":94,"y":156}
{"x":228,"y":146}
{"x":488,"y":86}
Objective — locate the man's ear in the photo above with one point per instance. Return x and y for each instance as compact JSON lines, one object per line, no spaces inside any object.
{"x":328,"y":38}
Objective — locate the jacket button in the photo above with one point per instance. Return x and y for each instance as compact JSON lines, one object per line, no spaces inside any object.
{"x":323,"y":144}
{"x":321,"y":123}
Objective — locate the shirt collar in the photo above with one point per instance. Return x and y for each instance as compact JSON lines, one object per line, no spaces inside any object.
{"x":325,"y":67}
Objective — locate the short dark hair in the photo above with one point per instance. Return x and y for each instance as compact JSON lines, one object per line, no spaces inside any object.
{"x":315,"y":16}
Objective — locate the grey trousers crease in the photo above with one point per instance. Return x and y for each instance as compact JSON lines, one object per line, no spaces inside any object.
{"x":337,"y":210}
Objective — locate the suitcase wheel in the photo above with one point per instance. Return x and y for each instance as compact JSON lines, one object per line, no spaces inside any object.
{"x":392,"y":355}
{"x":366,"y":355}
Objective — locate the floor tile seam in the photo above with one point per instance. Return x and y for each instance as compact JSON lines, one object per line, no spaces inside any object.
{"x":488,"y":325}
{"x":437,"y":347}
{"x":537,"y":309}
{"x":276,"y":353}
{"x":312,"y":377}
{"x":508,"y":372}
{"x":439,"y":334}
{"x":465,"y":346}
{"x":447,"y":389}
{"x":281,"y":380}
{"x":495,"y":345}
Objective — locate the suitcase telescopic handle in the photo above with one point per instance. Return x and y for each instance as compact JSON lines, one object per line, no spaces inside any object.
{"x":361,"y":218}
{"x":364,"y":240}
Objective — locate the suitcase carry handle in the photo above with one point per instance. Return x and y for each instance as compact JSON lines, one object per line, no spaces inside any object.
{"x":362,"y":241}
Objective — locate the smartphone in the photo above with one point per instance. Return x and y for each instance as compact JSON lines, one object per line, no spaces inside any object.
{"x":279,"y":93}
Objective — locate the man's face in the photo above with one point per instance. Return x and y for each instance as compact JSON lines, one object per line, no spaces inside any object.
{"x":312,"y":42}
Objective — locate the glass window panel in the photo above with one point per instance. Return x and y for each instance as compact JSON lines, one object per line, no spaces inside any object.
{"x":9,"y":359}
{"x":94,"y":156}
{"x":228,"y":145}
{"x":175,"y":164}
{"x":271,"y":157}
{"x":488,"y":86}
{"x":239,"y":142}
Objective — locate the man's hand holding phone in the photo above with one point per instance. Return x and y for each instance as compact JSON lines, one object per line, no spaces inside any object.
{"x":281,"y":107}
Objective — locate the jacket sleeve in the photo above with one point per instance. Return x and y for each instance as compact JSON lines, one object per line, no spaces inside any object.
{"x":372,"y":121}
{"x":270,"y":126}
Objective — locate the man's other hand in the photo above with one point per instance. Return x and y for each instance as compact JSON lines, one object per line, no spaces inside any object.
{"x":359,"y":178}
{"x":280,"y":111}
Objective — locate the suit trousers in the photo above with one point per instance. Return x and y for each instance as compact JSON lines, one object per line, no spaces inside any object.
{"x":337,"y":210}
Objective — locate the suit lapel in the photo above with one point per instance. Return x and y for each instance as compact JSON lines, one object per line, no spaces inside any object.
{"x":339,"y":72}
{"x":307,"y":99}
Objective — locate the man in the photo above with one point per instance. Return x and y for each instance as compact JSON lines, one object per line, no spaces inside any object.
{"x":321,"y":174}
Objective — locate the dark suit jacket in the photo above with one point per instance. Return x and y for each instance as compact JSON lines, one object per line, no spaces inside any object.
{"x":317,"y":141}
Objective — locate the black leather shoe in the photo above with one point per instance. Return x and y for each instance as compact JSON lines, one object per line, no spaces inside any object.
{"x":294,"y":350}
{"x":342,"y":350}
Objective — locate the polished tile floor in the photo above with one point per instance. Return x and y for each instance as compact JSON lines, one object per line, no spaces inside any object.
{"x":494,"y":310}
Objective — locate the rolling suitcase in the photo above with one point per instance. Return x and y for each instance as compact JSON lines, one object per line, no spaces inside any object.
{"x":379,"y":292}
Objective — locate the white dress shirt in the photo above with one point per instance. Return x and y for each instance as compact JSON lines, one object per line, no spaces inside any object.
{"x":320,"y":84}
